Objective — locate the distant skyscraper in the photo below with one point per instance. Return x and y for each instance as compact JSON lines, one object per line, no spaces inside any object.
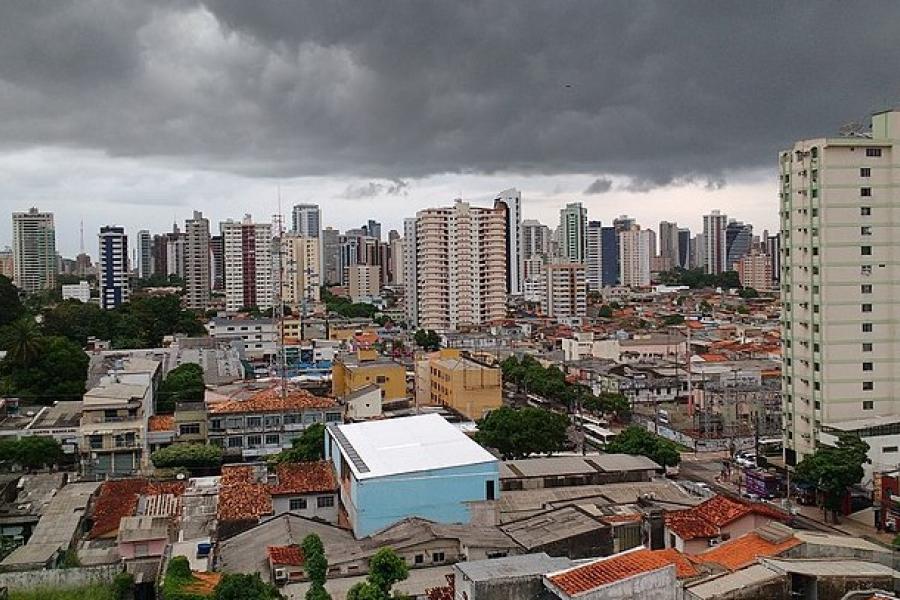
{"x":623,"y":223}
{"x":572,"y":232}
{"x":669,"y":244}
{"x":594,"y":256}
{"x":566,"y":295}
{"x":535,"y":239}
{"x":715,"y":254}
{"x":301,"y":281}
{"x":175,"y":252}
{"x":511,"y":202}
{"x":248,"y":264}
{"x":684,"y":248}
{"x":410,"y":277}
{"x":34,"y":250}
{"x":773,"y":249}
{"x":755,"y":270}
{"x":393,"y":235}
{"x":738,"y":239}
{"x":197,"y":280}
{"x":373,"y":229}
{"x":609,"y":256}
{"x":217,"y":266}
{"x":144,"y":254}
{"x":634,"y":257}
{"x":331,"y":256}
{"x":306,"y":220}
{"x":112,"y":263}
{"x":6,"y":263}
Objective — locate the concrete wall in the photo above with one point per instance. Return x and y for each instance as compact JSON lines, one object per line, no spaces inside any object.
{"x":660,"y":584}
{"x":282,"y":504}
{"x":54,"y":578}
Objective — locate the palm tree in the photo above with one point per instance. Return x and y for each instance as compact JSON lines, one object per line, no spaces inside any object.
{"x":22,"y":340}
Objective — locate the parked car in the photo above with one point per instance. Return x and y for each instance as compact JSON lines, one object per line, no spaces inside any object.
{"x":745,"y":460}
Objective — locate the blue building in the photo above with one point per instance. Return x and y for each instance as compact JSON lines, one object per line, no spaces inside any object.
{"x":609,"y":256}
{"x":418,"y":466}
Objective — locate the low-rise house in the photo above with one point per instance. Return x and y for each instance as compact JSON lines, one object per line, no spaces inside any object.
{"x":142,"y":537}
{"x":468,"y":386}
{"x":268,"y":421}
{"x":353,"y":371}
{"x":411,"y":466}
{"x":511,"y":577}
{"x":191,"y":422}
{"x":714,"y":521}
{"x":259,"y":336}
{"x":364,"y":403}
{"x":569,"y":471}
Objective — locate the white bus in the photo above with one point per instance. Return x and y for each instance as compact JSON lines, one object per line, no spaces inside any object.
{"x":580,"y":419}
{"x":597,"y":436}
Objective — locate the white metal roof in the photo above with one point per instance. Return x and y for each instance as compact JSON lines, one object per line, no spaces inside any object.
{"x":407,"y":444}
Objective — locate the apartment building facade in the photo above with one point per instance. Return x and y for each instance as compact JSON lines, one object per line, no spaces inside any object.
{"x":634,"y":257}
{"x":566,"y":294}
{"x":113,"y":267}
{"x":34,"y":250}
{"x":248,"y":264}
{"x":197,"y":280}
{"x":301,"y":283}
{"x":573,"y":232}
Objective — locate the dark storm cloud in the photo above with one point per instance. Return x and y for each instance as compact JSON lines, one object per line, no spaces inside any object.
{"x":655,"y":91}
{"x":601,"y":185}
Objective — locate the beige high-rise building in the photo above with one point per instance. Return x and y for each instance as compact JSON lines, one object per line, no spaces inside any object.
{"x":634,"y":257}
{"x":715,"y":255}
{"x":248,"y":264}
{"x":34,"y":251}
{"x":302,"y":281}
{"x":197,"y":258}
{"x":365,"y":282}
{"x":566,"y":295}
{"x":840,"y":285}
{"x":460,"y":266}
{"x":755,"y":270}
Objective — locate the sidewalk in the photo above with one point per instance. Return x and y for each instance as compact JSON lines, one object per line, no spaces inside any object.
{"x":847,"y":524}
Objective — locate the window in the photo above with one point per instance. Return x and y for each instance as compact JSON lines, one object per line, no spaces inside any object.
{"x":866,"y":288}
{"x":866,"y":307}
{"x":867,"y":328}
{"x":332,"y":417}
{"x":873,"y":152}
{"x":254,"y":421}
{"x":189,"y":429}
{"x":865,"y":250}
{"x":865,"y":192}
{"x":419,"y":559}
{"x":298,"y":503}
{"x":273,"y":439}
{"x":867,"y":347}
{"x":865,"y":172}
{"x":489,"y":489}
{"x":325,"y":501}
{"x":865,"y":211}
{"x":437,"y":557}
{"x":889,"y":449}
{"x":96,"y":442}
{"x":235,"y":442}
{"x":868,"y":404}
{"x":865,"y":270}
{"x":865,"y":230}
{"x":868,"y":386}
{"x":381,"y":379}
{"x":110,"y":415}
{"x":215,"y":424}
{"x":867,"y":366}
{"x":254,"y":441}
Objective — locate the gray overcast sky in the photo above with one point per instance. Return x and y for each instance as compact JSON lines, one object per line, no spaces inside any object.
{"x":136,"y":113}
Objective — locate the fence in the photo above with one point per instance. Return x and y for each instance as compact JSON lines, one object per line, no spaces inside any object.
{"x":58,"y":578}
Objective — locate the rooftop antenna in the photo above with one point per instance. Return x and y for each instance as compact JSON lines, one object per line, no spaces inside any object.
{"x":278,"y":309}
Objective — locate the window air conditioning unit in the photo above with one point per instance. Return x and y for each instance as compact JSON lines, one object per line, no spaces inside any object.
{"x":281,"y":574}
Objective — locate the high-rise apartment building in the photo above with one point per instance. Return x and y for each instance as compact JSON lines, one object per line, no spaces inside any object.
{"x":669,"y":245}
{"x":306,"y":220}
{"x":572,"y":232}
{"x":217,"y":266}
{"x":331,"y":256}
{"x":773,"y":249}
{"x":398,"y":261}
{"x":738,"y":239}
{"x":566,"y":295}
{"x":248,"y":264}
{"x":593,"y":259}
{"x":510,"y":201}
{"x":684,"y":248}
{"x":714,"y":252}
{"x":301,"y":281}
{"x":144,"y":254}
{"x":634,"y":257}
{"x":460,"y":266}
{"x":6,"y":263}
{"x":34,"y":250}
{"x":112,"y":264}
{"x":839,"y":286}
{"x":175,"y":252}
{"x":373,"y":229}
{"x":609,"y":256}
{"x":535,"y":284}
{"x":535,"y":239}
{"x":624,"y":223}
{"x":754,"y":270}
{"x":365,"y":283}
{"x":410,"y":272}
{"x":197,"y":281}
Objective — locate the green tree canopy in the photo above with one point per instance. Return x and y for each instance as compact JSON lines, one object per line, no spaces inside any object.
{"x":184,"y":383}
{"x":309,"y":446}
{"x":698,"y":278}
{"x":244,"y":586}
{"x":427,"y":340}
{"x":637,"y":440}
{"x":10,"y":305}
{"x":189,"y":456}
{"x":385,"y":569}
{"x":833,"y":469}
{"x":748,"y":292}
{"x":517,"y":433}
{"x":31,"y":452}
{"x":314,"y":560}
{"x":43,"y":369}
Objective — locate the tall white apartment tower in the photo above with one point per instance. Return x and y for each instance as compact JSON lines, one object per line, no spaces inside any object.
{"x":410,"y":282}
{"x":572,"y":232}
{"x":460,"y":268}
{"x":840,"y":288}
{"x":248,"y":264}
{"x":634,"y":257}
{"x":594,"y":256}
{"x":715,"y":254}
{"x":112,"y":270}
{"x":511,"y":202}
{"x":306,"y":220}
{"x":34,"y":250}
{"x":301,"y":281}
{"x":535,"y":239}
{"x":197,"y":261}
{"x":144,"y":254}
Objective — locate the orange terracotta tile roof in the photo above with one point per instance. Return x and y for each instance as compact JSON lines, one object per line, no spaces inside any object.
{"x":612,"y":519}
{"x":743,"y":551}
{"x":118,"y":498}
{"x":707,"y":518}
{"x":609,"y":570}
{"x":270,"y":400}
{"x":285,"y":555}
{"x":203,"y":583}
{"x":712,"y":357}
{"x":684,"y":566}
{"x":694,"y":324}
{"x":241,"y":497}
{"x":304,"y":478}
{"x":161,"y":423}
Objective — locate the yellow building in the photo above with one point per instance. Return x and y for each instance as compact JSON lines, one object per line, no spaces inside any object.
{"x":469,"y":387}
{"x":351,"y":372}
